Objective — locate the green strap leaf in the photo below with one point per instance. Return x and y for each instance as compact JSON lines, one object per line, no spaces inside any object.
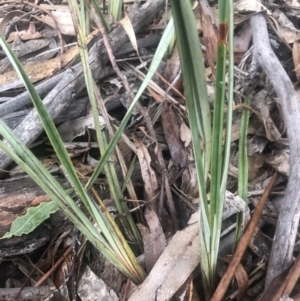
{"x":34,"y":217}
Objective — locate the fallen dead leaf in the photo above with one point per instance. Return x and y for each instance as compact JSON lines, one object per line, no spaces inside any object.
{"x":173,"y":267}
{"x":154,"y":240}
{"x":171,"y":125}
{"x":148,"y":174}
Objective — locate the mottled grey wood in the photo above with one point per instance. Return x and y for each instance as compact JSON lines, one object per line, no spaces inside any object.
{"x":283,"y":245}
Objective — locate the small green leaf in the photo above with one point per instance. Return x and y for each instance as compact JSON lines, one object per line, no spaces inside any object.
{"x":33,"y":218}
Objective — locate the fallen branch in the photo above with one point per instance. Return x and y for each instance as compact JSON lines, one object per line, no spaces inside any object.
{"x":28,"y":293}
{"x":288,"y":220}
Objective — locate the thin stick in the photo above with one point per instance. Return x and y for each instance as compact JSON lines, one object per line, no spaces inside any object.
{"x":243,"y":243}
{"x":68,"y":251}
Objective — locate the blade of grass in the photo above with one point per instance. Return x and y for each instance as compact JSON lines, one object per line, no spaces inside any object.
{"x":111,"y":176}
{"x":243,"y":165}
{"x":75,"y":215}
{"x":228,"y":132}
{"x":125,"y":255}
{"x":161,"y":49}
{"x":210,"y":217}
{"x":217,"y":162}
{"x":192,"y":64}
{"x":114,"y":8}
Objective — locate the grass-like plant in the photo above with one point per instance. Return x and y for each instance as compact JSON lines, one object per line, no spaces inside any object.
{"x":109,"y":241}
{"x":210,"y":154}
{"x":210,"y":148}
{"x":79,"y":20}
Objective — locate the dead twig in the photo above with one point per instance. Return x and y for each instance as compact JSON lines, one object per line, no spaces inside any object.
{"x":28,"y":293}
{"x":243,"y":243}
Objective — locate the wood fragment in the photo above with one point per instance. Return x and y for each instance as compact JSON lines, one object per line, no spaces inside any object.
{"x":287,"y":226}
{"x":27,"y":293}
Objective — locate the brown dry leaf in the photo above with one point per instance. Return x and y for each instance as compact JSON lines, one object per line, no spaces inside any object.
{"x":154,"y":240}
{"x":8,"y":17}
{"x":174,"y":266}
{"x":241,"y":42}
{"x":244,"y":9}
{"x":39,"y":71}
{"x":252,"y":129}
{"x":240,"y":276}
{"x":173,"y":66}
{"x":61,"y":14}
{"x":25,"y":35}
{"x":63,"y":20}
{"x":209,"y":30}
{"x":185,"y":134}
{"x":279,"y":160}
{"x":127,"y":25}
{"x":171,"y":126}
{"x":249,"y":6}
{"x":272,"y":132}
{"x":296,"y":59}
{"x":148,"y":173}
{"x":263,"y":113}
{"x":157,"y":97}
{"x":285,"y":28}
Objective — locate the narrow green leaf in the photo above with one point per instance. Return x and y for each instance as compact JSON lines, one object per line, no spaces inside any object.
{"x":161,"y":49}
{"x":243,"y":157}
{"x":243,"y":165}
{"x":34,"y":217}
{"x":114,"y":8}
{"x":117,"y":251}
{"x":192,"y":64}
{"x":100,"y":14}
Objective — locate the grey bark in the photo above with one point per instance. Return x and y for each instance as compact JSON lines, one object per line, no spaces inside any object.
{"x":284,"y":240}
{"x":27,"y":293}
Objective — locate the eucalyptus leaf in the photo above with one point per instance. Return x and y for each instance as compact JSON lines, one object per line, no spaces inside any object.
{"x":33,"y":218}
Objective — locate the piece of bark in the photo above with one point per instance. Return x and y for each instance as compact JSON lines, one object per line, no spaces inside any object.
{"x":73,"y":80}
{"x":27,"y":293}
{"x":263,"y":55}
{"x":22,"y":99}
{"x":76,"y":109}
